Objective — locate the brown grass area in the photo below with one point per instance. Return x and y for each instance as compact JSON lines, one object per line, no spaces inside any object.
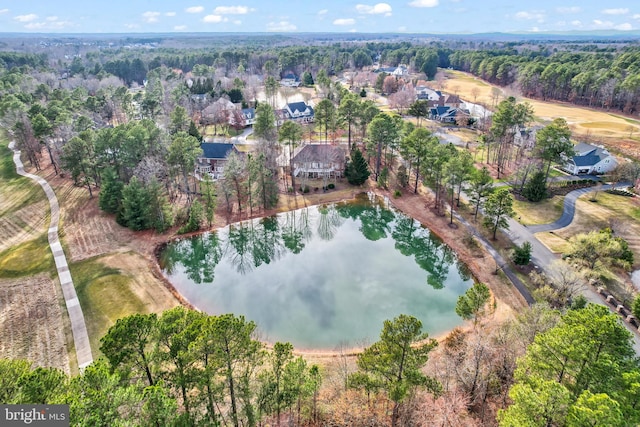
{"x":31,"y":322}
{"x":615,"y":131}
{"x":24,"y":224}
{"x":617,"y":212}
{"x":155,"y":299}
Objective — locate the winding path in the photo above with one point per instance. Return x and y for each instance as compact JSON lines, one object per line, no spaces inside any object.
{"x":568,"y":211}
{"x":78,"y":326}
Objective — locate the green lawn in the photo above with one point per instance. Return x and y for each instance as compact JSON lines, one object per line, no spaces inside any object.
{"x":16,"y":191}
{"x":105,"y":296}
{"x":27,"y":259}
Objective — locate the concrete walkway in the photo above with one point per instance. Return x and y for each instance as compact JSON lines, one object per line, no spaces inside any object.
{"x":78,"y":326}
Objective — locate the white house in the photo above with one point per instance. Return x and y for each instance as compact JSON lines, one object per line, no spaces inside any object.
{"x":319,"y":160}
{"x":590,"y":159}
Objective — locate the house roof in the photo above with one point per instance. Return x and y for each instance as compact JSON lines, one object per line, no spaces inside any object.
{"x":583,"y":149}
{"x":300,"y":106}
{"x":216,"y":150}
{"x":320,"y":152}
{"x":588,"y":160}
{"x":440,"y":110}
{"x":249,"y":113}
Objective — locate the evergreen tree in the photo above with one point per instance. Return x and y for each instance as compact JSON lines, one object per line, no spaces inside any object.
{"x":111,"y":192}
{"x":135,"y":206}
{"x":307,"y":79}
{"x":357,"y":170}
{"x":522,"y":254}
{"x":498,"y":207}
{"x":395,"y":362}
{"x":535,"y":189}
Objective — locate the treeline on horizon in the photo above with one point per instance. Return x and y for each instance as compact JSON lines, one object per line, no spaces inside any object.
{"x":596,"y":75}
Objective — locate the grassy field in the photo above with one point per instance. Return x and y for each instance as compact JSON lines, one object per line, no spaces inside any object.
{"x":24,"y":211}
{"x":27,"y":259}
{"x":584,"y":122}
{"x":620,"y":213}
{"x":544,"y":212}
{"x":112,"y":287}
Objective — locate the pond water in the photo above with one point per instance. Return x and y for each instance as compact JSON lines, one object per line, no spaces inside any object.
{"x":323,"y":276}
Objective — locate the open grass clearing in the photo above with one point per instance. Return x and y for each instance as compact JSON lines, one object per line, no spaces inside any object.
{"x":27,"y":259}
{"x":116,"y":286}
{"x":543,"y":212}
{"x":32,"y":322}
{"x":24,"y":212}
{"x":583,"y":121}
{"x":620,"y":213}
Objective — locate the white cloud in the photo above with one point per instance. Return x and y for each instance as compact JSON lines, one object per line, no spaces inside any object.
{"x":26,"y":18}
{"x":534,"y":14}
{"x":636,"y":16}
{"x":281,"y":26}
{"x":424,"y":3}
{"x":214,"y":19}
{"x":151,"y":16}
{"x":378,"y":9}
{"x":232,"y":10}
{"x":131,"y":26}
{"x":576,"y":23}
{"x":344,"y":21}
{"x":323,"y":12}
{"x":180,"y":28}
{"x":603,"y":25}
{"x":624,"y":27}
{"x":170,"y":14}
{"x":50,"y":23}
{"x":570,"y":9}
{"x":618,"y":11}
{"x":3,"y":11}
{"x":194,"y":9}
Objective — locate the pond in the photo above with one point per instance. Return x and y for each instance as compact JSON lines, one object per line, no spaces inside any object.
{"x":322,"y":277}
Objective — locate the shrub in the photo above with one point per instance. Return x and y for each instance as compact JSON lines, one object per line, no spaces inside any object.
{"x":304,"y":189}
{"x":522,"y":254}
{"x":331,"y":186}
{"x":397,"y":194}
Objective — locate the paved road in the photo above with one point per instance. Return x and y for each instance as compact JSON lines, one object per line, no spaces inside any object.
{"x":501,"y":263}
{"x":568,"y":211}
{"x":542,"y":257}
{"x":78,"y":326}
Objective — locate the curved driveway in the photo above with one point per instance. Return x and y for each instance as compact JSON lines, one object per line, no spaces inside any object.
{"x":568,"y":211}
{"x":78,"y":326}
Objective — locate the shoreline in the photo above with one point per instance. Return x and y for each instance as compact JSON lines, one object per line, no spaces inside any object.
{"x":427,"y":219}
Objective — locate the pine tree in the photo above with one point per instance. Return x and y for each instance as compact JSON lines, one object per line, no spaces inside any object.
{"x":357,"y":171}
{"x":536,"y":188}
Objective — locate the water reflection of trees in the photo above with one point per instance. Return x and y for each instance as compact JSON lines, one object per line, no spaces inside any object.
{"x":328,"y":222}
{"x":249,"y":244}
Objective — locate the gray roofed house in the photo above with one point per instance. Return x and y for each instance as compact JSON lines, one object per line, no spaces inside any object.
{"x":213,"y":158}
{"x":319,"y":160}
{"x":590,"y":159}
{"x":300,"y":112}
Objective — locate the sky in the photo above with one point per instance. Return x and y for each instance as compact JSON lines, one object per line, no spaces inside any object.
{"x":410,"y":16}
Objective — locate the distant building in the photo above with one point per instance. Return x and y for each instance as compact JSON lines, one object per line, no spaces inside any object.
{"x":300,"y":112}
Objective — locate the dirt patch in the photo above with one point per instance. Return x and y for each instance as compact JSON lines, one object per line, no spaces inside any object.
{"x":23,"y":225}
{"x":90,"y":232}
{"x":31,"y":322}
